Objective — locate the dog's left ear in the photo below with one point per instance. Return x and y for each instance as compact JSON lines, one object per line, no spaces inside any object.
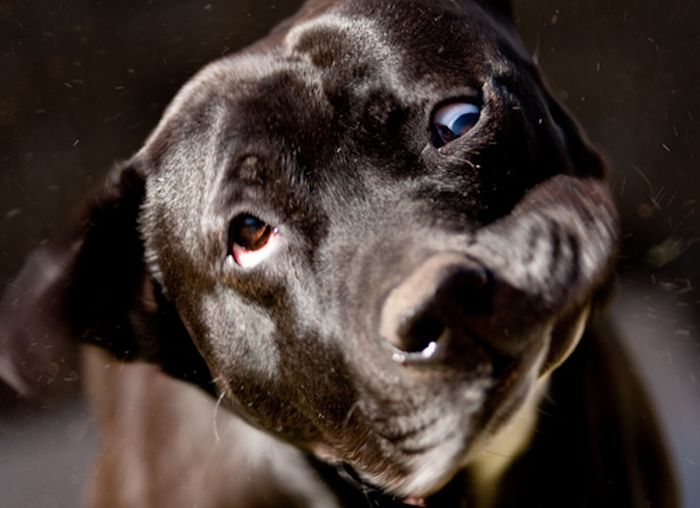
{"x":93,"y":287}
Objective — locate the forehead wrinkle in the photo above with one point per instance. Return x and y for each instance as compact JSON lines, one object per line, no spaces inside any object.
{"x":234,"y":74}
{"x":240,"y":79}
{"x":369,"y":44}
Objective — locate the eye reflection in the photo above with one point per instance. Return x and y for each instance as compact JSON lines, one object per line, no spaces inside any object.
{"x":452,"y":121}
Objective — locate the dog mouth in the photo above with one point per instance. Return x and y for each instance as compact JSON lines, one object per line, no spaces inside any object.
{"x":374,"y":494}
{"x":417,"y":471}
{"x":409,"y":440}
{"x":453,"y":381}
{"x":411,"y":450}
{"x":409,"y":457}
{"x":439,"y":470}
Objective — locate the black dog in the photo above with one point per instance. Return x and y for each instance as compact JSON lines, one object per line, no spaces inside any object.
{"x":373,"y":235}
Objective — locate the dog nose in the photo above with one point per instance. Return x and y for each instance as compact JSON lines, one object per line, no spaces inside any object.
{"x":430,"y":311}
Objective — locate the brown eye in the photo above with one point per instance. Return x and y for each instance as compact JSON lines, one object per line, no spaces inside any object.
{"x":251,"y":240}
{"x":249,"y":232}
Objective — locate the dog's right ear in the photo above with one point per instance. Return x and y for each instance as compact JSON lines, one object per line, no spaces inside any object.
{"x":92,"y":287}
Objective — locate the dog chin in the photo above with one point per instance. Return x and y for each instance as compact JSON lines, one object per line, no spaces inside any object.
{"x":488,"y":453}
{"x":418,"y":468}
{"x":431,"y":471}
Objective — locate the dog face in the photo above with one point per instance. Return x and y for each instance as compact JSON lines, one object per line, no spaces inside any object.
{"x":376,"y":226}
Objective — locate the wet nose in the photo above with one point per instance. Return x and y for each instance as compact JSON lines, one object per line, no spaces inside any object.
{"x":431,"y":309}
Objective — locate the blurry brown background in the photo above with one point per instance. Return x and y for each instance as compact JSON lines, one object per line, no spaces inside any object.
{"x":83,"y":82}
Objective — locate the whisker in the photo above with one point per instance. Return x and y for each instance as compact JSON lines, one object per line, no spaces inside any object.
{"x":215,"y":426}
{"x":354,"y":406}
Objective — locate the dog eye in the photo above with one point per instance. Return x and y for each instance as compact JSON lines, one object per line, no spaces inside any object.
{"x":452,"y":121}
{"x":250,"y":240}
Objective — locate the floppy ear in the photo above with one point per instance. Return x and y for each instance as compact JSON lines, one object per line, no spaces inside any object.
{"x":587,"y":161}
{"x":92,"y":287}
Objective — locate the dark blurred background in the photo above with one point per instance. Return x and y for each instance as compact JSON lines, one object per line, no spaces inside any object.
{"x":83,"y":82}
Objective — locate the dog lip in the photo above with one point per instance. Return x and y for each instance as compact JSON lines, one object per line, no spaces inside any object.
{"x":398,"y":437}
{"x":422,"y":449}
{"x":353,"y":478}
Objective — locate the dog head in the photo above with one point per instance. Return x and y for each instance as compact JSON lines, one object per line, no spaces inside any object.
{"x":375,"y":230}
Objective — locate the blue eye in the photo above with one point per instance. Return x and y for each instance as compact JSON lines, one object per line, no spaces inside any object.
{"x":452,"y":121}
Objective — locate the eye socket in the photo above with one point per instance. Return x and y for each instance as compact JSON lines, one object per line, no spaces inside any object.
{"x":454,"y":120}
{"x":250,"y":240}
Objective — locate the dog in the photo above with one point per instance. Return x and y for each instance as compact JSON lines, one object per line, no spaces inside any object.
{"x":359,"y":263}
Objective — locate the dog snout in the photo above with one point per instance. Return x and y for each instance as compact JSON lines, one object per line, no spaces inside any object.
{"x":427,"y":316}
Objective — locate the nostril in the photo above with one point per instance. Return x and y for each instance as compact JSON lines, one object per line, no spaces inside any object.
{"x":464,"y":291}
{"x":474,"y":278}
{"x":417,"y":334}
{"x":428,"y":315}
